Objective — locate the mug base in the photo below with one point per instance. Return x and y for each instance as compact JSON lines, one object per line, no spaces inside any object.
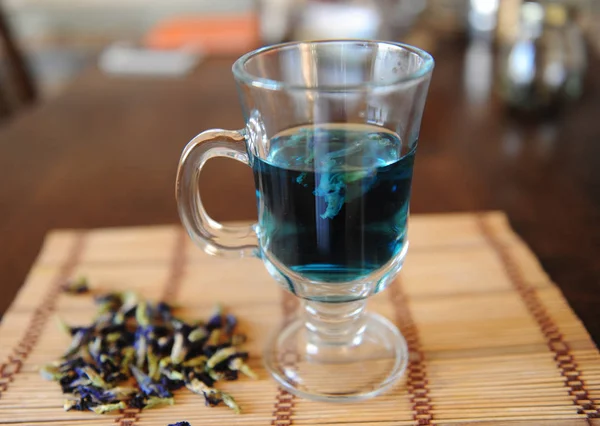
{"x":362,"y":369}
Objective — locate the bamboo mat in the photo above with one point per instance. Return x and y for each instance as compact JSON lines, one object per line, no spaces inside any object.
{"x":492,"y":340}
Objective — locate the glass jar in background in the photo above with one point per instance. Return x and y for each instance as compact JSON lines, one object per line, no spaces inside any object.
{"x":544,"y":63}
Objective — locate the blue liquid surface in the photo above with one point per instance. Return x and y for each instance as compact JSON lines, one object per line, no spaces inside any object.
{"x":333,"y":200}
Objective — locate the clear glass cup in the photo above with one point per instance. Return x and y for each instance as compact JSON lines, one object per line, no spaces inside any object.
{"x":331,"y":133}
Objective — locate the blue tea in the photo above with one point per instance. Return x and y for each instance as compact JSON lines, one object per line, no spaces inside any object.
{"x":333,"y":200}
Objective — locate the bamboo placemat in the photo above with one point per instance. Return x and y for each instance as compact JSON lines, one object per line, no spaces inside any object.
{"x":492,"y":340}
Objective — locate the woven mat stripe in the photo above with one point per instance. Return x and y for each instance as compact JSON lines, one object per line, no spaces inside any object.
{"x":416,"y":371}
{"x":554,"y":338}
{"x":11,"y":367}
{"x":171,"y":288}
{"x":177,"y":267}
{"x":284,"y":401}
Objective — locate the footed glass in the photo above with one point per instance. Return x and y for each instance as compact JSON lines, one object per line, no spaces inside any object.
{"x":331,"y":134}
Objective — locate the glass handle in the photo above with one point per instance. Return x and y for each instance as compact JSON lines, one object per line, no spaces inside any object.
{"x":213,"y":237}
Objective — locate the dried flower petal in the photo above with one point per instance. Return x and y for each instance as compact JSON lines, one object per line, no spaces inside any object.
{"x":166,"y":361}
{"x":214,"y":338}
{"x":94,"y":347}
{"x":122,"y":392}
{"x":107,"y":408}
{"x":148,"y":386}
{"x":129,"y":302}
{"x":153,"y":370}
{"x":220,"y":356}
{"x":216,"y":375}
{"x":238,"y":364}
{"x":216,"y":320}
{"x":79,"y":338}
{"x":142,"y":315}
{"x":212,"y":396}
{"x":196,"y":334}
{"x":153,"y":401}
{"x":179,"y":351}
{"x":141,"y":347}
{"x":113,"y":337}
{"x":197,"y":386}
{"x":199,"y":361}
{"x":69,"y":404}
{"x":230,"y":402}
{"x":173,"y":374}
{"x":77,"y":286}
{"x":63,"y":326}
{"x":128,"y":355}
{"x":51,"y":372}
{"x":94,"y":377}
{"x":230,"y":323}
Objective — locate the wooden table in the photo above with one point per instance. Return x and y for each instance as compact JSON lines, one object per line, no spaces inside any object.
{"x":105,"y":152}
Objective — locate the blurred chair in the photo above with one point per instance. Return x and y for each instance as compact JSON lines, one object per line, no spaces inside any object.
{"x":17,"y":87}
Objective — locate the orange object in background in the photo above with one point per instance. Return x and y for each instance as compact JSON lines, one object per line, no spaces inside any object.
{"x":211,"y":35}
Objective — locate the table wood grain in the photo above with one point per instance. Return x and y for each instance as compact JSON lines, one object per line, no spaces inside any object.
{"x":105,"y":152}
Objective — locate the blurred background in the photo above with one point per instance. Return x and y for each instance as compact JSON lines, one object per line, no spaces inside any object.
{"x":57,"y":39}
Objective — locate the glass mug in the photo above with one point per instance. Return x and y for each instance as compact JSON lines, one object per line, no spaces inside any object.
{"x":331,"y":132}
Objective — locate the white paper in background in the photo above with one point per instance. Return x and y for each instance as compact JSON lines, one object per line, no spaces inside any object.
{"x":126,"y":59}
{"x":275,"y":19}
{"x":338,"y":20}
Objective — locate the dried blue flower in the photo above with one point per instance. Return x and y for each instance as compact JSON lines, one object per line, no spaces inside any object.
{"x":121,"y":392}
{"x":107,"y":408}
{"x":216,"y":320}
{"x":132,"y":339}
{"x":148,"y":386}
{"x":129,"y":303}
{"x":217,"y":375}
{"x":110,"y":302}
{"x":95,"y":378}
{"x":142,"y":314}
{"x":179,"y":424}
{"x":199,"y":361}
{"x":153,"y":371}
{"x":213,"y":340}
{"x":230,"y":323}
{"x":197,"y":334}
{"x":179,"y":351}
{"x":170,"y":384}
{"x":77,"y":286}
{"x":141,"y":346}
{"x":230,"y":402}
{"x":165,"y":311}
{"x":153,"y":401}
{"x":220,"y":356}
{"x":128,"y":355}
{"x":81,"y":404}
{"x":238,"y":364}
{"x":63,"y":326}
{"x":138,"y":401}
{"x":213,"y":396}
{"x":81,"y":337}
{"x":204,"y":378}
{"x":51,"y":372}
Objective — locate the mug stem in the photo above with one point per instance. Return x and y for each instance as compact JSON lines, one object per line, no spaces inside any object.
{"x":334,"y":324}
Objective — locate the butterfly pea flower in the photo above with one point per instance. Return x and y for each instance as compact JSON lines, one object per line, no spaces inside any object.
{"x":107,"y":408}
{"x":136,"y":353}
{"x":77,"y":286}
